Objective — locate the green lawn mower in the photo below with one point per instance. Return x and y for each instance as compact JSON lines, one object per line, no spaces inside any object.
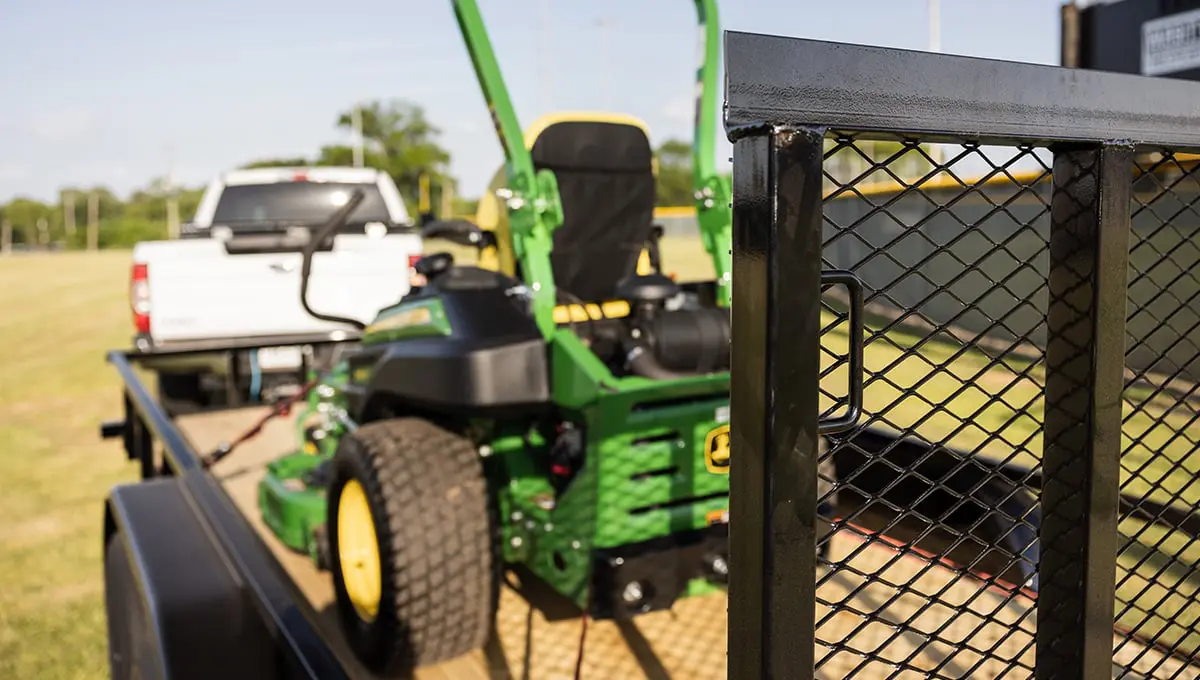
{"x":476,"y":425}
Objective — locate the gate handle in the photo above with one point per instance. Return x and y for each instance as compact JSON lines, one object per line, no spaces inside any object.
{"x":853,"y":284}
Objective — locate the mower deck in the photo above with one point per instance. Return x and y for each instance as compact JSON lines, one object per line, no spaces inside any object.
{"x":542,"y":640}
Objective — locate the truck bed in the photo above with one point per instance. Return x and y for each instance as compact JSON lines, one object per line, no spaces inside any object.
{"x":939,"y":621}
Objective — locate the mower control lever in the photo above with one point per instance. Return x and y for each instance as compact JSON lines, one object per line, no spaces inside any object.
{"x":458,"y":232}
{"x":433,"y":264}
{"x":647,"y":288}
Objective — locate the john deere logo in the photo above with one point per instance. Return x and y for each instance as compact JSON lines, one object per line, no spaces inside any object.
{"x":417,"y":316}
{"x":716,"y":450}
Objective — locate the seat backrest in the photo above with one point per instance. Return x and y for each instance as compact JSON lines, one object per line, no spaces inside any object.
{"x":605,"y":174}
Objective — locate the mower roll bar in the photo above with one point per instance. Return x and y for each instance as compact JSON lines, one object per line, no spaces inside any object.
{"x":532,"y":196}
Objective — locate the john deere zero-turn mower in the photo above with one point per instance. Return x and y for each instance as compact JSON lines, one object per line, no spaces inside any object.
{"x":552,"y":413}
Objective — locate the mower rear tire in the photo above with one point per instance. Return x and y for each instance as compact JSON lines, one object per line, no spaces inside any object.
{"x":426,"y":593}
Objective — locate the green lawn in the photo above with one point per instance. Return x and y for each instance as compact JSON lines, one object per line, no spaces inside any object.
{"x":60,"y":313}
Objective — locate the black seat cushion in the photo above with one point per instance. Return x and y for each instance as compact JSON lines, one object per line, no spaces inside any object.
{"x":605,"y":179}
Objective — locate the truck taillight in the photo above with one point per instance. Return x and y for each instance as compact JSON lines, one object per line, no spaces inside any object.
{"x":139,"y":297}
{"x":415,"y":280}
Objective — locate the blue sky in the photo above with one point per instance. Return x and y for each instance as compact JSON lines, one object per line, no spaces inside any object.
{"x":96,"y":92}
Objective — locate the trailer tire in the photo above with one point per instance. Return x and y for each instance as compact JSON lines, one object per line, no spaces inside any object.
{"x":131,"y":652}
{"x":437,"y":561}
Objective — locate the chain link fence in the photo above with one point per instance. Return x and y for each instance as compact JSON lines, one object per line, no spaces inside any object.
{"x":1014,"y":490}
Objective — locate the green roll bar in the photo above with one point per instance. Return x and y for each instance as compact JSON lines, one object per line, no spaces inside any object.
{"x":532,"y":197}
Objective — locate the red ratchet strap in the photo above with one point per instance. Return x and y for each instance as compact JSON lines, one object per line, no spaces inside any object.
{"x":283,"y":408}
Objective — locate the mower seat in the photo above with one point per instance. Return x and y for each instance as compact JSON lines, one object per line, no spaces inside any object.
{"x":605,"y":175}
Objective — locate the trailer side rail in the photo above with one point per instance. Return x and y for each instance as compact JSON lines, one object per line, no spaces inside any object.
{"x":303,"y":651}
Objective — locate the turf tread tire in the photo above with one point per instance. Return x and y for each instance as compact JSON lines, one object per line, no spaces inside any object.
{"x":438,"y":555}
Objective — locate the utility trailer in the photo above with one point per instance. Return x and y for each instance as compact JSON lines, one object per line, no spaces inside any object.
{"x":995,"y":314}
{"x":197,"y":586}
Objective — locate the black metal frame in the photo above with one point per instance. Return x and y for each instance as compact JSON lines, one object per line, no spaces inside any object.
{"x":301,"y":647}
{"x":783,"y":96}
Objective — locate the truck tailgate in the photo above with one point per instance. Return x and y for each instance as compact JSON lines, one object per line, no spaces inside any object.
{"x":200,"y":291}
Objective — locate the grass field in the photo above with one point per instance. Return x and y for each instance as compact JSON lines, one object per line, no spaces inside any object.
{"x":64,"y":311}
{"x":60,"y":313}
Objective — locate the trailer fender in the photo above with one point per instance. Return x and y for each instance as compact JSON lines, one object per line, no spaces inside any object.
{"x":175,"y":608}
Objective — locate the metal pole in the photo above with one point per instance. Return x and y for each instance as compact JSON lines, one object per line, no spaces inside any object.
{"x":5,"y":237}
{"x":69,"y":213}
{"x":43,"y":230}
{"x":356,"y":121}
{"x":447,"y":197}
{"x":93,"y":221}
{"x":935,"y":26}
{"x":1069,"y":49}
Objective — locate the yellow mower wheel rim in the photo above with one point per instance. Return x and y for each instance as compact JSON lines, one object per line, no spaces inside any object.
{"x":358,"y":551}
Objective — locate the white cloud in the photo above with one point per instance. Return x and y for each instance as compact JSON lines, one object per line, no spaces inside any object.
{"x":63,"y":125}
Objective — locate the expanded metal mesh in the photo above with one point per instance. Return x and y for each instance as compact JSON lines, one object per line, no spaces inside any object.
{"x":1157,"y":580}
{"x":931,"y":566}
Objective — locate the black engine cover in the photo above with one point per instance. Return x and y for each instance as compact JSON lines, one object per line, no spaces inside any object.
{"x":494,"y":359}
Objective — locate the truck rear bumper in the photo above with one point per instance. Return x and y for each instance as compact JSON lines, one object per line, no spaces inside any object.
{"x":213,"y":354}
{"x":147,"y":345}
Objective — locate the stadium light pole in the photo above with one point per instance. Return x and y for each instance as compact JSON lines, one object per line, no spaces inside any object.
{"x":935,"y":26}
{"x":934,"y":12}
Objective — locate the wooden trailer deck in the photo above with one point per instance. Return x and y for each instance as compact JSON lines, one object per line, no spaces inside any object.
{"x":989,"y":636}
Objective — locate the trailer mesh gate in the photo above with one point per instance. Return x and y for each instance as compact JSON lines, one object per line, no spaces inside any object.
{"x":1009,"y":491}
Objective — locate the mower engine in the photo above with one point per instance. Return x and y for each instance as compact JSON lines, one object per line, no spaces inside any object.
{"x":666,"y":344}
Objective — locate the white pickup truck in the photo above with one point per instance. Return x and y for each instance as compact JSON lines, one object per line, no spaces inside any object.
{"x":234,"y":277}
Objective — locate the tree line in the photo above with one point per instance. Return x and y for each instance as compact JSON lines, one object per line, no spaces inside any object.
{"x":398,"y":138}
